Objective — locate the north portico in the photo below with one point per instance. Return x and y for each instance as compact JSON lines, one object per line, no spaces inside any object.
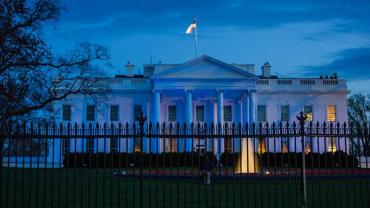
{"x":200,"y":91}
{"x":206,"y":82}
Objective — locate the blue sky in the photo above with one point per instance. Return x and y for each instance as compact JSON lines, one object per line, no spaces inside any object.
{"x":298,"y":38}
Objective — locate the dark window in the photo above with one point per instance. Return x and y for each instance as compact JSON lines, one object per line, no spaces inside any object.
{"x":66,"y":145}
{"x":90,"y":145}
{"x":284,"y":112}
{"x":66,"y":112}
{"x":114,"y":112}
{"x":200,"y":113}
{"x":261,"y":113}
{"x":228,"y":113}
{"x":137,"y":110}
{"x":114,"y":144}
{"x":90,"y":113}
{"x":172,"y":113}
{"x":228,"y":144}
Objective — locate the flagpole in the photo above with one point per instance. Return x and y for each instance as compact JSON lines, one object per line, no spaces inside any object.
{"x":196,"y":38}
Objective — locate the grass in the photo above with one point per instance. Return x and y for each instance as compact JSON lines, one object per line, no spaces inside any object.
{"x":98,"y":188}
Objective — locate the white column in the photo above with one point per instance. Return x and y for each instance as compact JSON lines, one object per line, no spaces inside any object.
{"x":188,"y":116}
{"x":220,"y":107}
{"x":214,"y":113}
{"x":220,"y":119}
{"x":252,"y":107}
{"x":156,"y":103}
{"x":239,"y":111}
{"x":245,"y":109}
{"x":188,"y":107}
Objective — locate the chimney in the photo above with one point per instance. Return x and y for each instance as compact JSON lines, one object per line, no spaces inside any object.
{"x":266,"y":70}
{"x":129,"y":69}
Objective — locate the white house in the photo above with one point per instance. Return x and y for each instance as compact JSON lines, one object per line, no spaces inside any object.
{"x":208,"y":90}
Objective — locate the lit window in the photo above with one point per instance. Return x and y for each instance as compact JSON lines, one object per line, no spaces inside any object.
{"x":172,"y":113}
{"x":285,"y":145}
{"x":90,"y":113}
{"x":284,"y":112}
{"x":308,"y":110}
{"x":332,"y":144}
{"x":228,"y":113}
{"x":199,"y":113}
{"x":261,"y":113}
{"x":171,"y":145}
{"x":262,"y":146}
{"x":66,"y":112}
{"x":114,"y":112}
{"x":137,"y":111}
{"x":331,"y":113}
{"x":307,"y":145}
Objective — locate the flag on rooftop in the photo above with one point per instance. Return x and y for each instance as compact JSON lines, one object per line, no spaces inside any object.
{"x":191,"y":27}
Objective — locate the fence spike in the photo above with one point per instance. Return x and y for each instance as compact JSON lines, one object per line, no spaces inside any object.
{"x":157,"y":125}
{"x":212,"y":125}
{"x":219,"y":126}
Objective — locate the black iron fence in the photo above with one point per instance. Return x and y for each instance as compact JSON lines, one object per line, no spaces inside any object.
{"x":300,"y":164}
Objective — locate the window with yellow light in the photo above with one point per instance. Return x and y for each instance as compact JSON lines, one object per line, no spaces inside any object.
{"x":331,"y":113}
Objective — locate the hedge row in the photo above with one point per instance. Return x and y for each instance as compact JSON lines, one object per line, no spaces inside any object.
{"x":337,"y":159}
{"x":123,"y":160}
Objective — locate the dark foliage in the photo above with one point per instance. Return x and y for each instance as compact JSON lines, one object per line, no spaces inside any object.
{"x":338,"y":159}
{"x":116,"y":160}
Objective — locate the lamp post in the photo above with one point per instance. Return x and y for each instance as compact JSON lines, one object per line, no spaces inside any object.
{"x":302,"y":118}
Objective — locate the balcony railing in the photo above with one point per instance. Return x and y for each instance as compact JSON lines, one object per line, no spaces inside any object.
{"x":301,"y":84}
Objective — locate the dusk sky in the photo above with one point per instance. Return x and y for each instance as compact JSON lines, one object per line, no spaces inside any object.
{"x":299,"y":39}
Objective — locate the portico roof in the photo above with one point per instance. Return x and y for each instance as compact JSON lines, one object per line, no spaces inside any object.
{"x":203,"y":67}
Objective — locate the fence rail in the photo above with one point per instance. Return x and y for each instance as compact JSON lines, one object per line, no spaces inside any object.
{"x":301,"y":164}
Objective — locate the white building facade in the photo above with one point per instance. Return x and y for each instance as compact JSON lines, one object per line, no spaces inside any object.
{"x":207,"y":90}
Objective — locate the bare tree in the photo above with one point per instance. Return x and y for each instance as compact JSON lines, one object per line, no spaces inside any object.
{"x":31,"y":75}
{"x":358,"y":113}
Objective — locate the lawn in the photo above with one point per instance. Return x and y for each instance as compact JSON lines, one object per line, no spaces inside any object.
{"x":98,"y":188}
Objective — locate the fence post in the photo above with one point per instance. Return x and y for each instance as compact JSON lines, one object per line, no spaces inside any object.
{"x":141,"y":120}
{"x":302,"y":118}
